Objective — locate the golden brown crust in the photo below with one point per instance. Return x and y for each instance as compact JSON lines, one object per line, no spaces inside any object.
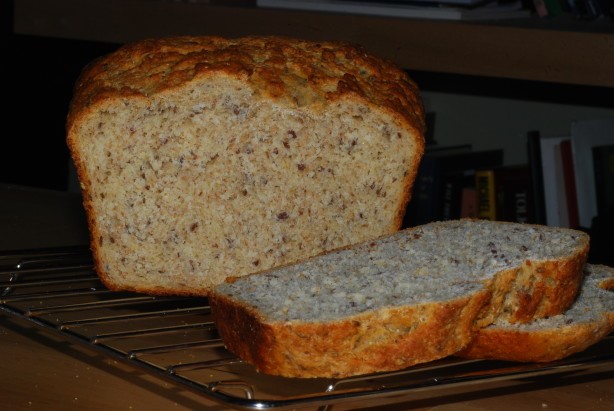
{"x":535,"y":346}
{"x":382,"y":340}
{"x":363,"y":343}
{"x":546,"y":288}
{"x":540,"y":288}
{"x":588,"y":320}
{"x":298,"y":70}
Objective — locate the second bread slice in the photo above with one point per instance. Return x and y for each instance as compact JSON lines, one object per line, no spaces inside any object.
{"x":587,"y":321}
{"x":415,"y":296}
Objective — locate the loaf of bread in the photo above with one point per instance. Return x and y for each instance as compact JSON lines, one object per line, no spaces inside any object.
{"x":204,"y":157}
{"x":414,"y":296}
{"x":586,"y":322}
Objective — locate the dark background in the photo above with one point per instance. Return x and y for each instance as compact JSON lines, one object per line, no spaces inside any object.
{"x":40,"y":72}
{"x":39,"y":75}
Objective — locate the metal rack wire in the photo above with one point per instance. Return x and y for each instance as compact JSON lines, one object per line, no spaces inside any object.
{"x":175,"y":339}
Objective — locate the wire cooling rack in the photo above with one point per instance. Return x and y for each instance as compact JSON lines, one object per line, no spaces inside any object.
{"x":175,"y":339}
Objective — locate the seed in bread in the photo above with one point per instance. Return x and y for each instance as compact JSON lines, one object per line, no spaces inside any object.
{"x":204,"y":157}
{"x":586,"y":322}
{"x":411,"y":297}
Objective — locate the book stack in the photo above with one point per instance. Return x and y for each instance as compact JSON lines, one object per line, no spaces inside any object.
{"x":504,"y":194}
{"x":568,"y":181}
{"x":573,"y":175}
{"x":445,"y":186}
{"x":459,"y":182}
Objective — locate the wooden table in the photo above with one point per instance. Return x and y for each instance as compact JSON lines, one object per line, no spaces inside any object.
{"x":39,"y":370}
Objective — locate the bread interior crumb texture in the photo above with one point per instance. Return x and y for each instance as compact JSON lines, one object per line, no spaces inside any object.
{"x":437,"y":262}
{"x":211,"y":181}
{"x":595,"y":299}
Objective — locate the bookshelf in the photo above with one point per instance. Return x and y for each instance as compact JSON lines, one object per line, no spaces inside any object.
{"x":558,"y":50}
{"x":530,"y":74}
{"x":518,"y":62}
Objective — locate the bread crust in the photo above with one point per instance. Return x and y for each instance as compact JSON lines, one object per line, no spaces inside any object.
{"x":300,"y":71}
{"x":384,"y":340}
{"x":539,"y":346}
{"x":293,"y":72}
{"x":364,"y":343}
{"x":536,"y":289}
{"x":553,"y":338}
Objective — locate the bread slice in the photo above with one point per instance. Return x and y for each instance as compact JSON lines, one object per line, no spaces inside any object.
{"x":588,"y":320}
{"x":411,"y":297}
{"x":204,"y":157}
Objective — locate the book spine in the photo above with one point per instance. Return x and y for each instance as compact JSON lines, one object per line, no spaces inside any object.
{"x":603,"y":162}
{"x":569,"y":180}
{"x":485,"y":186}
{"x":585,"y":135}
{"x":520,"y":201}
{"x":553,"y":184}
{"x":451,"y":195}
{"x":422,"y":207}
{"x":469,"y":202}
{"x":448,"y":199}
{"x":513,"y":194}
{"x":536,"y":179}
{"x":439,"y":182}
{"x":560,"y":190}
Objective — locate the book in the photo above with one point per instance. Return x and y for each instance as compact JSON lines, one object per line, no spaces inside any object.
{"x":559,"y":185}
{"x":442,"y":173}
{"x":536,"y":180}
{"x":504,"y":194}
{"x":448,"y":197}
{"x":603,"y":163}
{"x":602,"y":241}
{"x":585,"y":135}
{"x":569,"y":183}
{"x":485,"y":188}
{"x":422,"y":206}
{"x":429,"y":134}
{"x":487,"y":10}
{"x":458,"y":186}
{"x":459,"y":180}
{"x":553,"y":184}
{"x":513,"y":196}
{"x":469,"y":202}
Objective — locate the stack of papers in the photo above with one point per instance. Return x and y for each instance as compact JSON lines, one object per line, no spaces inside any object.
{"x":428,"y":9}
